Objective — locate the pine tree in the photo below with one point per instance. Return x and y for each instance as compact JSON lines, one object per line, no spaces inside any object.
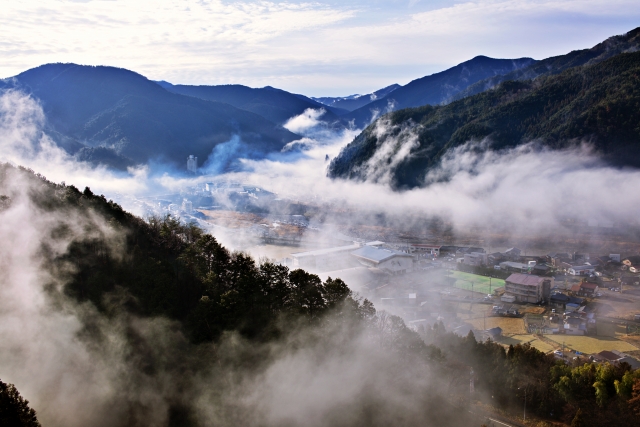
{"x":14,"y":409}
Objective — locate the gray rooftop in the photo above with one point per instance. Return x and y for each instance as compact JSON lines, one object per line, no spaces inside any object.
{"x":325,"y":251}
{"x":525,"y":279}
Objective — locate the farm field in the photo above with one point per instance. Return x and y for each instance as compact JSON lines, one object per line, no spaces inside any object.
{"x":509,"y":325}
{"x":481,"y":284}
{"x":526,"y":338}
{"x":590,"y":344}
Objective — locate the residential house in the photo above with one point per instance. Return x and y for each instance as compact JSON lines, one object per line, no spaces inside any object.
{"x":475,"y":258}
{"x":541,"y":269}
{"x":495,"y":258}
{"x":581,"y":270}
{"x":513,"y":253}
{"x":557,"y":258}
{"x":588,"y":289}
{"x":559,"y":300}
{"x":616,"y":357}
{"x":511,"y":266}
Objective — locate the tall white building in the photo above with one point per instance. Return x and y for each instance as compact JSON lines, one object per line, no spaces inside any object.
{"x":192,"y":163}
{"x":187,"y":206}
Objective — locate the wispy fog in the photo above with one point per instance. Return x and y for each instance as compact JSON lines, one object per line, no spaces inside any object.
{"x":82,"y":367}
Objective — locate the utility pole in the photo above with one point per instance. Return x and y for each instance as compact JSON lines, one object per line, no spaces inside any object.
{"x":471,"y":303}
{"x":524,"y":413}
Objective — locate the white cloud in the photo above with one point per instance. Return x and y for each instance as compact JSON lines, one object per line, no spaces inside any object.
{"x":309,"y":47}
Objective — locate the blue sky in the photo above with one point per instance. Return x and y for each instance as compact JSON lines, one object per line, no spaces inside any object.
{"x":324,"y":47}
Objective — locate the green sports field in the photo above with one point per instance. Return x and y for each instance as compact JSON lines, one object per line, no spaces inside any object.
{"x":480,"y":283}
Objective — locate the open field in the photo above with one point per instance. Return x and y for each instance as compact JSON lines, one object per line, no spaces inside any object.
{"x":590,"y":344}
{"x":509,"y":325}
{"x":482,"y":284}
{"x":526,"y":338}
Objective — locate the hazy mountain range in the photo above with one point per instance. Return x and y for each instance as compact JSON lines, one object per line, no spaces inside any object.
{"x":133,"y":120}
{"x":353,"y":102}
{"x":119,"y":118}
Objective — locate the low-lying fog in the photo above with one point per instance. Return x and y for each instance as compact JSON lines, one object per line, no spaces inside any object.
{"x":74,"y":381}
{"x":526,"y":190}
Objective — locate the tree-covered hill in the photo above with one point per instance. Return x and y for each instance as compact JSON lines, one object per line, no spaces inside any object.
{"x":593,"y":103}
{"x":136,"y":119}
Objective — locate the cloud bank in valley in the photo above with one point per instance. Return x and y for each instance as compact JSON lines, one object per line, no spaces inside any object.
{"x":527,"y":186}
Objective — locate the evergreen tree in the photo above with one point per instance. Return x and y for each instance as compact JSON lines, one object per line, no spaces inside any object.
{"x":14,"y":409}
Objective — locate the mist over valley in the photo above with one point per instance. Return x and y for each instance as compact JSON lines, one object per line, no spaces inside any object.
{"x":447,"y":252}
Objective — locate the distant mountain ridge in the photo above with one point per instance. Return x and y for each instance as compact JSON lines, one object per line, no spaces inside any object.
{"x":353,"y":102}
{"x":133,"y":119}
{"x":437,"y":88}
{"x":625,"y":43}
{"x":273,"y":104}
{"x":596,"y":102}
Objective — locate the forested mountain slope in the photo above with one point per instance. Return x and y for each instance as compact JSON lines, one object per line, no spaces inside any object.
{"x":124,"y":112}
{"x":596,"y":103}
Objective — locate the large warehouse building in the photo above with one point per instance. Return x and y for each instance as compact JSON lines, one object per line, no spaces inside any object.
{"x":385,"y":259}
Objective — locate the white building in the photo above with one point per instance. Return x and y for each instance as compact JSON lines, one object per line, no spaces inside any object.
{"x":187,"y":206}
{"x":475,"y":258}
{"x":192,"y":163}
{"x":385,"y":259}
{"x":581,"y":270}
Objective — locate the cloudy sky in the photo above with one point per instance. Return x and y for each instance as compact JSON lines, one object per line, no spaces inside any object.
{"x":324,"y":47}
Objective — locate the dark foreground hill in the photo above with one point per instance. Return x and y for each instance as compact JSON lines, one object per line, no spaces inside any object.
{"x":437,"y":88}
{"x":175,"y":330}
{"x":274,"y":104}
{"x":596,"y":103}
{"x":138,"y":120}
